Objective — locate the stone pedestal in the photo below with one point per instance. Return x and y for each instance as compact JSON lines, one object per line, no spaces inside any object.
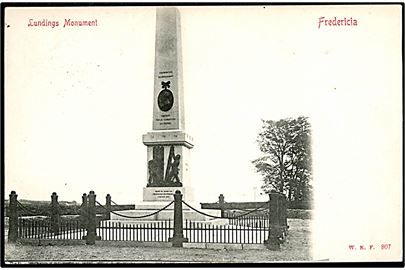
{"x":168,"y":154}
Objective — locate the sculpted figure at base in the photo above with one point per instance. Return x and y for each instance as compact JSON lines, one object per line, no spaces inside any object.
{"x":155,"y":169}
{"x":172,"y":172}
{"x":173,"y":176}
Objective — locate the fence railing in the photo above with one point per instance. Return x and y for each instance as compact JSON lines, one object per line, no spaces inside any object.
{"x":266,"y":224}
{"x":42,"y":229}
{"x":197,"y":232}
{"x":258,"y":221}
{"x":159,"y":231}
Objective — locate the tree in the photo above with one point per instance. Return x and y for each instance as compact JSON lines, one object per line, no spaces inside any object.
{"x":286,"y":163}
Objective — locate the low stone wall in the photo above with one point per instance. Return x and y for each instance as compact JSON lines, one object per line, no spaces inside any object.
{"x":299,"y":213}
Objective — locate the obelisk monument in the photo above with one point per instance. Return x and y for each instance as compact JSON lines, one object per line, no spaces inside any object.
{"x":167,"y":144}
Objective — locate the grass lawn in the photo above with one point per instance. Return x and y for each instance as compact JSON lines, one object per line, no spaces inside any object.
{"x":297,"y":247}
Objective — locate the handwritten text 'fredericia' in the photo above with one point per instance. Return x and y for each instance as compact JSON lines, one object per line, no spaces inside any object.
{"x":336,"y":22}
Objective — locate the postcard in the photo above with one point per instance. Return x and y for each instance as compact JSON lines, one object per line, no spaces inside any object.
{"x":197,"y":133}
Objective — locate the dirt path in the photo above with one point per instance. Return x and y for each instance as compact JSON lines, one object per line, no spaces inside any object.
{"x":296,"y":248}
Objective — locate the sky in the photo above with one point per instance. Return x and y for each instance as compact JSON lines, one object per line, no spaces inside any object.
{"x":77,"y":101}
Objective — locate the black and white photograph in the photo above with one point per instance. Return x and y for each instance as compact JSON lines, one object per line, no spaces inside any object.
{"x":237,"y":134}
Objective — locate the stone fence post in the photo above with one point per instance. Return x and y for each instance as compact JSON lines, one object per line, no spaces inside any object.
{"x":284,"y":214}
{"x":178,"y":237}
{"x":83,"y":212}
{"x":55,"y":214}
{"x":91,"y":219}
{"x":221,"y":201}
{"x":275,"y":229}
{"x":12,"y":218}
{"x":108,"y":207}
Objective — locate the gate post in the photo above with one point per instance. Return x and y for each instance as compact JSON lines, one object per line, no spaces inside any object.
{"x":108,"y":207}
{"x":55,"y":214}
{"x":91,"y":219}
{"x":178,"y":238}
{"x":284,"y":215}
{"x":83,"y":213}
{"x":273,"y":241}
{"x":12,"y":218}
{"x":221,"y":201}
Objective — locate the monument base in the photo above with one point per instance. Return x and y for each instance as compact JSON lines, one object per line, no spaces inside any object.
{"x":166,"y":215}
{"x":148,"y":207}
{"x":188,"y":214}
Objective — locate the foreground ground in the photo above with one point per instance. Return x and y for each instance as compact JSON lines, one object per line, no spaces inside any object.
{"x":296,"y":248}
